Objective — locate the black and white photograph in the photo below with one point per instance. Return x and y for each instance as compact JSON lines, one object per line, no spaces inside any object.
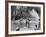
{"x":25,"y":18}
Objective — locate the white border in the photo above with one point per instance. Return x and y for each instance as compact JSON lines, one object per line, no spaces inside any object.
{"x":19,"y":32}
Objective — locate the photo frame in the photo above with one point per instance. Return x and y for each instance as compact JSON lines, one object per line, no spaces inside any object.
{"x":24,"y":18}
